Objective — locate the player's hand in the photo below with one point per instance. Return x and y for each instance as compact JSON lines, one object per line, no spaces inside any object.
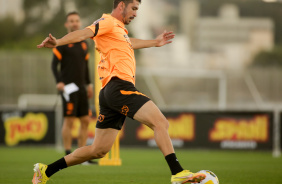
{"x":60,"y":86}
{"x":90,"y":91}
{"x":165,"y":38}
{"x":49,"y":42}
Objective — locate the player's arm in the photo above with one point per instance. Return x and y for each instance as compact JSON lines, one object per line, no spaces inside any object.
{"x":161,"y":40}
{"x":54,"y":68}
{"x":57,"y":57}
{"x":87,"y":77}
{"x":72,"y":37}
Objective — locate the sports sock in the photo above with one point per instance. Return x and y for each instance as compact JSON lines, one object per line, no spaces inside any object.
{"x":173,"y":164}
{"x":68,"y":152}
{"x":55,"y":167}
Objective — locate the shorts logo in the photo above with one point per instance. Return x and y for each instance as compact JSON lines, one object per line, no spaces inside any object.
{"x":101,"y":118}
{"x":69,"y":108}
{"x":124,"y":110}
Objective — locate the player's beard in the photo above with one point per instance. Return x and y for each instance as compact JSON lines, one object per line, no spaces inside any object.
{"x":126,"y":21}
{"x":124,"y":16}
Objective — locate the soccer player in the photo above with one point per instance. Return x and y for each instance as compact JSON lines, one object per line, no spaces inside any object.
{"x":118,"y":97}
{"x":73,"y":61}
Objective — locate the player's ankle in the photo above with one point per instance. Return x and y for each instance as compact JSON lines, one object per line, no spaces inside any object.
{"x":55,"y":167}
{"x":173,"y":164}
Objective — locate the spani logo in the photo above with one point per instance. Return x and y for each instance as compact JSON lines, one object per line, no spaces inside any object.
{"x":30,"y":127}
{"x":255,"y":129}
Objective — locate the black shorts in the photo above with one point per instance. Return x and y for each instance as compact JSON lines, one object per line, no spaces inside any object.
{"x":117,"y":100}
{"x":77,"y":105}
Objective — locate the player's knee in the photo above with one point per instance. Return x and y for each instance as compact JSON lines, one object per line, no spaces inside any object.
{"x":68,"y":124}
{"x":84,"y":126}
{"x":162,"y":124}
{"x":65,"y":129}
{"x":165,"y":124}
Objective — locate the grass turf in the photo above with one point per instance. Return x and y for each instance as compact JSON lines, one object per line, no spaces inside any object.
{"x":143,"y":166}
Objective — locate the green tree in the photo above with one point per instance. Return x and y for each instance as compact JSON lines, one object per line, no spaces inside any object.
{"x":9,"y":29}
{"x":56,"y":25}
{"x":271,"y":58}
{"x":93,"y":9}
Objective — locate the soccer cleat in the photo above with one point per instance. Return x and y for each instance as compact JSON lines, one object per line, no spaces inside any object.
{"x":39,"y":174}
{"x":186,"y":176}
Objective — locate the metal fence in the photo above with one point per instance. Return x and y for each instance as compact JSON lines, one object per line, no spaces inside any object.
{"x":26,"y":72}
{"x":255,"y":88}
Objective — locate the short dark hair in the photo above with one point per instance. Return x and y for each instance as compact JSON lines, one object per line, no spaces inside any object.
{"x":72,"y":13}
{"x":116,"y":2}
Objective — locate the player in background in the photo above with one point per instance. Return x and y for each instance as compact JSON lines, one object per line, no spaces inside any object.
{"x":73,"y":61}
{"x":118,"y":97}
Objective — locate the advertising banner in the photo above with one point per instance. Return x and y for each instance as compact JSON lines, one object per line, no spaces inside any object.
{"x":204,"y":130}
{"x":208,"y":130}
{"x":27,"y":127}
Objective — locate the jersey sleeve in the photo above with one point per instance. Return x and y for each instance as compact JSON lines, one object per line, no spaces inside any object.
{"x":101,"y":26}
{"x":58,"y":52}
{"x":87,"y":77}
{"x":57,"y":57}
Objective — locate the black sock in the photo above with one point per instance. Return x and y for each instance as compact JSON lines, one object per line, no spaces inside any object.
{"x":55,"y":167}
{"x":173,"y":164}
{"x":68,"y":152}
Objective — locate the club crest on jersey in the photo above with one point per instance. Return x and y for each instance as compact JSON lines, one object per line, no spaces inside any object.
{"x":97,"y":21}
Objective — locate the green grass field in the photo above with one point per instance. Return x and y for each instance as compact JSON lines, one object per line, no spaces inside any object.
{"x":143,"y":166}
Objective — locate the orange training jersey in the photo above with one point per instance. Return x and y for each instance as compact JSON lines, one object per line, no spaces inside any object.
{"x":117,"y":54}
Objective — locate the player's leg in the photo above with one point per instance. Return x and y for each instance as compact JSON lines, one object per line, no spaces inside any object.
{"x":123,"y":97}
{"x":82,"y":136}
{"x":108,"y":125}
{"x":104,"y":139}
{"x":83,"y":114}
{"x":150,"y":115}
{"x":66,"y":133}
{"x":70,"y":113}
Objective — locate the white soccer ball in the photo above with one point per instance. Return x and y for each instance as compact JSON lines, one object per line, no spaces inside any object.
{"x":211,"y":178}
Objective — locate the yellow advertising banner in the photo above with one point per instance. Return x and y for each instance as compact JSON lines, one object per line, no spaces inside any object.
{"x":30,"y":127}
